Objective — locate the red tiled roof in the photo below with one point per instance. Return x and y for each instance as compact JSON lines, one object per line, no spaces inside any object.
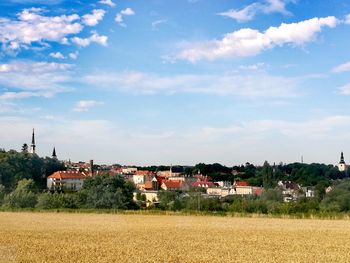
{"x":241,"y":183}
{"x":160,"y":179}
{"x":148,"y":185}
{"x":173,"y":183}
{"x":143,"y":172}
{"x":67,"y":175}
{"x":203,"y":178}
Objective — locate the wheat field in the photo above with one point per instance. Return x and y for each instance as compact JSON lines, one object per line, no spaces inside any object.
{"x":66,"y":237}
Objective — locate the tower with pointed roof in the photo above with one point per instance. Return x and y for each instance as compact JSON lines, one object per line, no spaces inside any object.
{"x":342,"y":164}
{"x":32,"y":146}
{"x":54,"y":156}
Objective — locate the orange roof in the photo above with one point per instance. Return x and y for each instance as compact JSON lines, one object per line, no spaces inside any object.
{"x":173,"y":183}
{"x":148,"y":185}
{"x":143,"y":172}
{"x":67,"y":175}
{"x":241,"y":183}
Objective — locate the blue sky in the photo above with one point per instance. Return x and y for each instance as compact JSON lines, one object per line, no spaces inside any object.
{"x":181,"y":82}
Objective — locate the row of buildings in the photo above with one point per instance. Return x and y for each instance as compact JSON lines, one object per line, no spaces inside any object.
{"x":149,"y":184}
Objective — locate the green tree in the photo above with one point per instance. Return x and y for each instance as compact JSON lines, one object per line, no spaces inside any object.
{"x":267,"y":173}
{"x":107,"y":192}
{"x":23,"y":196}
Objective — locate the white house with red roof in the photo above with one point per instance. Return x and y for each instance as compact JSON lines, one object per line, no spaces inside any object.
{"x":66,"y":180}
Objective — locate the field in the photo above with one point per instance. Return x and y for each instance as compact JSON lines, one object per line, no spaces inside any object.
{"x":64,"y":237}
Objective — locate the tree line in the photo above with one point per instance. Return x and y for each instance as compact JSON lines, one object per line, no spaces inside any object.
{"x":23,"y":185}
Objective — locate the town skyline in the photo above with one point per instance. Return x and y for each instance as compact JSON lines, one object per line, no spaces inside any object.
{"x":146,"y":84}
{"x":31,"y":148}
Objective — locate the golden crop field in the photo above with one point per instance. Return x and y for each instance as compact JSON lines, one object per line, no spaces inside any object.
{"x":64,"y":237}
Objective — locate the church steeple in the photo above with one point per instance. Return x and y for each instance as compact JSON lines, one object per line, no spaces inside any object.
{"x":342,"y":165}
{"x":32,"y":146}
{"x":342,"y":158}
{"x":54,"y":153}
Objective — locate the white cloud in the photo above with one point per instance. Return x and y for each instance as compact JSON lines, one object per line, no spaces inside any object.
{"x":107,"y":2}
{"x":249,"y":12}
{"x":57,"y":55}
{"x":94,"y":38}
{"x":345,"y":90}
{"x":17,"y":95}
{"x":233,"y":84}
{"x":125,"y":12}
{"x":256,"y":66}
{"x":157,"y":23}
{"x":242,"y":15}
{"x":94,"y":18}
{"x":74,"y":55}
{"x":342,"y":68}
{"x":347,"y":19}
{"x":46,"y":79}
{"x":31,"y":26}
{"x":250,"y":42}
{"x":85,"y":105}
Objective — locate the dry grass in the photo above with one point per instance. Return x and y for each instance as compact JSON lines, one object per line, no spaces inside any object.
{"x":60,"y":237}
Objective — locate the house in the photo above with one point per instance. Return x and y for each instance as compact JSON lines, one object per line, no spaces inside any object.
{"x":309,"y":191}
{"x":218,"y":191}
{"x":138,"y":179}
{"x":150,"y":197}
{"x":129,"y":170}
{"x":203,"y":184}
{"x":66,"y":180}
{"x":172,"y":185}
{"x":291,"y":191}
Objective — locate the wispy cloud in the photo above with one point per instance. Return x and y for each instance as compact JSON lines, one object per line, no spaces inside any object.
{"x":245,"y":85}
{"x":85,"y":105}
{"x":157,"y":23}
{"x":249,"y":12}
{"x":345,"y":90}
{"x":342,"y":68}
{"x":74,"y":55}
{"x":43,"y":78}
{"x":119,"y":18}
{"x":94,"y":18}
{"x":347,"y":19}
{"x":249,"y":42}
{"x":107,"y":2}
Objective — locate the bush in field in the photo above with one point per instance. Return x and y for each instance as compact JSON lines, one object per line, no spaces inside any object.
{"x":2,"y":193}
{"x":57,"y":200}
{"x":107,"y":192}
{"x":338,"y":200}
{"x":23,"y":196}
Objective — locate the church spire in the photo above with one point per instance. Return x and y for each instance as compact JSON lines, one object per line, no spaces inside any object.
{"x":342,"y":158}
{"x":342,"y":165}
{"x":32,"y":146}
{"x":54,"y":153}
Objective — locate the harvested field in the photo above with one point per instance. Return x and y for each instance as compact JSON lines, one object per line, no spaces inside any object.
{"x":64,"y":237}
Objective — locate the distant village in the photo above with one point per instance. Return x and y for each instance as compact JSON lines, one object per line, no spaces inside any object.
{"x":148,"y":183}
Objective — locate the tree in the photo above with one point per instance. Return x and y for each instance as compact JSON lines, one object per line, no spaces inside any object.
{"x":23,"y":196}
{"x":2,"y":193}
{"x":25,"y":148}
{"x":107,"y":192}
{"x":267,"y":173}
{"x":338,"y":200}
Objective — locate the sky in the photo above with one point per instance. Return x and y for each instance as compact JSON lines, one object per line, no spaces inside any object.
{"x":150,"y":82}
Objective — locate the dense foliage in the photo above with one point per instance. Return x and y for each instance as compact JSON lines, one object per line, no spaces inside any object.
{"x":23,"y":180}
{"x":15,"y":166}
